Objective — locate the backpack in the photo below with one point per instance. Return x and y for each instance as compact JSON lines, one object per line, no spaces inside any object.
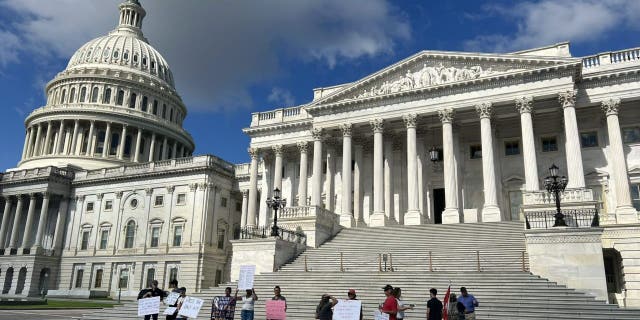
{"x":142,"y":293}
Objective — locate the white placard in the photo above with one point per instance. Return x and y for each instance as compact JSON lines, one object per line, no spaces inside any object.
{"x":190,"y":307}
{"x":172,"y":298}
{"x":170,"y":310}
{"x":347,"y":310}
{"x":245,"y":281}
{"x":379,"y":315}
{"x":148,"y":306}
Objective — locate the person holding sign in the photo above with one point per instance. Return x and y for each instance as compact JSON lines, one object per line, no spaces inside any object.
{"x":390,"y":305}
{"x":278,"y":296}
{"x":248,"y":303}
{"x":153,"y":291}
{"x":180,"y":302}
{"x":351,"y":294}
{"x":324,"y":309}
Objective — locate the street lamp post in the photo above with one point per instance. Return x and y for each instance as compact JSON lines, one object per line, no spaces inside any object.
{"x":276,"y":203}
{"x":556,"y":184}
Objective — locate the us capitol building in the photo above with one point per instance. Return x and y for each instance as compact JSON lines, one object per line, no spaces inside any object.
{"x":108,"y":195}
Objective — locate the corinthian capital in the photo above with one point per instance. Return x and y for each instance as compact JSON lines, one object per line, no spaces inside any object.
{"x":611,"y":106}
{"x":277,"y":149}
{"x":446,"y":115}
{"x":253,"y":153}
{"x":346,"y":129}
{"x":484,"y":110}
{"x":410,"y":120}
{"x":316,"y":133}
{"x":524,"y":104}
{"x":377,"y":125}
{"x":567,"y":98}
{"x":303,"y":146}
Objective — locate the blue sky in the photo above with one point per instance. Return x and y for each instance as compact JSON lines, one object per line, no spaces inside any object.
{"x":231,"y":58}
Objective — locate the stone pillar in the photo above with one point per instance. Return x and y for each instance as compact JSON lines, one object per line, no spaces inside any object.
{"x":136,"y":155}
{"x":165,"y":152}
{"x":572,"y":145}
{"x":329,"y":179}
{"x":451,"y":213}
{"x":107,"y":141}
{"x":525,"y":107}
{"x":277,"y":170}
{"x":90,"y":145}
{"x":32,"y":142}
{"x":243,"y":218}
{"x":625,"y":212}
{"x":346,"y":215}
{"x":253,"y":188}
{"x":490,"y":210}
{"x":387,"y":169}
{"x":36,"y":151}
{"x":174,"y":150}
{"x":152,"y":147}
{"x":316,"y":180}
{"x":413,"y":216}
{"x":378,"y":217}
{"x":8,"y":202}
{"x":44,"y":211}
{"x":60,"y":223}
{"x":74,"y":137}
{"x":123,"y":137}
{"x":357,"y":187}
{"x":25,"y":148}
{"x":47,"y":138}
{"x":303,"y":146}
{"x":29,"y":223}
{"x":60,"y":143}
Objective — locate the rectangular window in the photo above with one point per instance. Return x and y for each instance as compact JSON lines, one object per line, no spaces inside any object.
{"x":104,"y":239}
{"x":151,"y":275}
{"x":635,"y":195}
{"x":85,"y":240}
{"x":218,"y":278}
{"x":159,"y":201}
{"x":173,"y":274}
{"x":223,"y":202}
{"x":182,"y":199}
{"x":177,"y":236}
{"x":79,"y":275}
{"x":98,"y":282}
{"x":155,"y":237}
{"x":124,"y":278}
{"x":238,"y":206}
{"x":475,"y":152}
{"x":108,"y":205}
{"x":589,"y":139}
{"x":221,"y":238}
{"x":631,"y":135}
{"x":549,"y":144}
{"x":89,"y":206}
{"x":511,"y":148}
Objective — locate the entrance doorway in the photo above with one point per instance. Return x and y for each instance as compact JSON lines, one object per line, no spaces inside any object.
{"x":438,"y":205}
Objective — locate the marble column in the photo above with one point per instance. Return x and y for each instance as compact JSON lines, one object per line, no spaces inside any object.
{"x":13,"y":242}
{"x":378,"y":217}
{"x":316,"y":179}
{"x":524,"y":105}
{"x":451,"y":213}
{"x":60,"y":143}
{"x":36,"y":150}
{"x":346,"y":214}
{"x":245,"y":208}
{"x":25,"y":148}
{"x":107,"y":141}
{"x":253,"y":188}
{"x":329,"y":178}
{"x":60,"y":223}
{"x":174,"y":150}
{"x":32,"y":142}
{"x":136,"y":155}
{"x":165,"y":153}
{"x":490,"y":210}
{"x":303,"y":146}
{"x":413,"y":216}
{"x":90,"y":145}
{"x":44,"y":212}
{"x":47,"y":139}
{"x":625,"y":212}
{"x":74,"y":137}
{"x":277,"y":170}
{"x":572,"y":144}
{"x":28,"y":227}
{"x":388,"y":188}
{"x":123,"y":137}
{"x":8,"y":203}
{"x":152,"y":147}
{"x":357,"y":186}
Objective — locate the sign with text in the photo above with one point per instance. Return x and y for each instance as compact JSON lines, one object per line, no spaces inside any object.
{"x":191,"y":307}
{"x":347,"y":310}
{"x":245,"y":281}
{"x":379,"y":315}
{"x":172,"y":298}
{"x":223,"y":308}
{"x":148,"y":306}
{"x":275,"y":309}
{"x":170,"y":310}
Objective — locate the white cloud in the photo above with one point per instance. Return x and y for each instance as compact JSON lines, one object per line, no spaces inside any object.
{"x":9,"y":48}
{"x":217,"y":49}
{"x":281,"y":97}
{"x":551,"y":21}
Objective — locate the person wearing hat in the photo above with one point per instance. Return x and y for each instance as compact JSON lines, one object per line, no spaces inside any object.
{"x":390,"y":305}
{"x":351,"y":294}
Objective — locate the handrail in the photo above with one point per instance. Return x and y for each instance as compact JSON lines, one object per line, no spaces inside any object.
{"x":575,"y":218}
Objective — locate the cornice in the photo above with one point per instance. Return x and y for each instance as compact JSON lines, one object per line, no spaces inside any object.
{"x":279,"y":126}
{"x":153,"y":174}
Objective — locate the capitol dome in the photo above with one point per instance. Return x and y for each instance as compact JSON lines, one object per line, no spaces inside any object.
{"x":114,"y":104}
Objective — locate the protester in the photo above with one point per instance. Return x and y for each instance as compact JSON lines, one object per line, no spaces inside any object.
{"x":390,"y":305}
{"x":469,"y":302}
{"x":224,"y":307}
{"x":397,"y":293}
{"x":183,"y":296}
{"x":434,"y":306}
{"x":452,"y":309}
{"x":278,"y":296}
{"x":351,"y":294}
{"x":152,"y":291}
{"x":324,"y":309}
{"x":173,"y":285}
{"x":248,"y":302}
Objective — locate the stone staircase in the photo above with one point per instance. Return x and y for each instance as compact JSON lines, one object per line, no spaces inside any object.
{"x":452,"y":252}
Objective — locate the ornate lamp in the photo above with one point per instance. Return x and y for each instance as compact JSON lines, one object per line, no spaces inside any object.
{"x":434,"y":155}
{"x":276,"y":203}
{"x":555,"y":185}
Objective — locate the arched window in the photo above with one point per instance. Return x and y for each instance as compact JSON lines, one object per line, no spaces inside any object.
{"x":107,"y":96}
{"x":164,"y":111}
{"x":155,"y":107}
{"x":63,"y":96}
{"x":171,"y":115}
{"x":130,"y":233}
{"x":120,"y":98}
{"x":145,"y":101}
{"x":94,"y":94}
{"x":83,"y":94}
{"x":132,"y":100}
{"x":72,"y":95}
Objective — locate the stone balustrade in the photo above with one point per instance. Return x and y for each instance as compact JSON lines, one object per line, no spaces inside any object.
{"x":317,"y":223}
{"x":36,"y":172}
{"x":544,"y":198}
{"x":278,"y":116}
{"x":614,"y":57}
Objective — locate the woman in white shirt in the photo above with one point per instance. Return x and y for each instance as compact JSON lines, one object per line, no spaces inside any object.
{"x":248,"y":302}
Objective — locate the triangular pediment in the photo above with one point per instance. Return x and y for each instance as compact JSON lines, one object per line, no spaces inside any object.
{"x":433,"y":69}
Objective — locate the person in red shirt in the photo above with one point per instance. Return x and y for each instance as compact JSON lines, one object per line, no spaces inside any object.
{"x":390,"y":305}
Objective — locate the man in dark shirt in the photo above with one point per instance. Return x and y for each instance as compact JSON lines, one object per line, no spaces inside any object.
{"x":154,"y":291}
{"x":434,"y":306}
{"x":324,"y":310}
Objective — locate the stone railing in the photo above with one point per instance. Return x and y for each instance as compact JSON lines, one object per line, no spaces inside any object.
{"x":278,"y":116}
{"x":544,"y":198}
{"x":317,"y":223}
{"x":36,"y":172}
{"x":605,"y":58}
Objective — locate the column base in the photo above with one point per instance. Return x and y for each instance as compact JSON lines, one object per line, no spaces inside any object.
{"x":412,"y":218}
{"x":491,"y":214}
{"x":450,"y":215}
{"x":378,"y":219}
{"x":347,"y":221}
{"x":626,"y":215}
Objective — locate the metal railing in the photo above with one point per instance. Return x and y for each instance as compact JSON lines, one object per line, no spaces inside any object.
{"x":575,"y":218}
{"x":249,"y":232}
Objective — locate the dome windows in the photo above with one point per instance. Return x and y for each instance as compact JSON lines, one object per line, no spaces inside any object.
{"x":116,"y":54}
{"x":63,"y":96}
{"x":132,"y":100}
{"x":155,"y":107}
{"x":72,"y":95}
{"x":88,"y":57}
{"x":83,"y":94}
{"x":135,"y":58}
{"x":145,"y":101}
{"x":106,"y":52}
{"x":125,"y":56}
{"x":107,"y":96}
{"x":120,"y":98}
{"x":94,"y":95}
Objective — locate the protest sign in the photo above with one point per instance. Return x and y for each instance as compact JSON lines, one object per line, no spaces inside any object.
{"x":190,"y":307}
{"x":172,"y":298}
{"x":245,"y":281}
{"x":148,"y":306}
{"x":347,"y":310}
{"x":275,"y":309}
{"x":378,"y":315}
{"x":170,"y":310}
{"x":223,"y":307}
